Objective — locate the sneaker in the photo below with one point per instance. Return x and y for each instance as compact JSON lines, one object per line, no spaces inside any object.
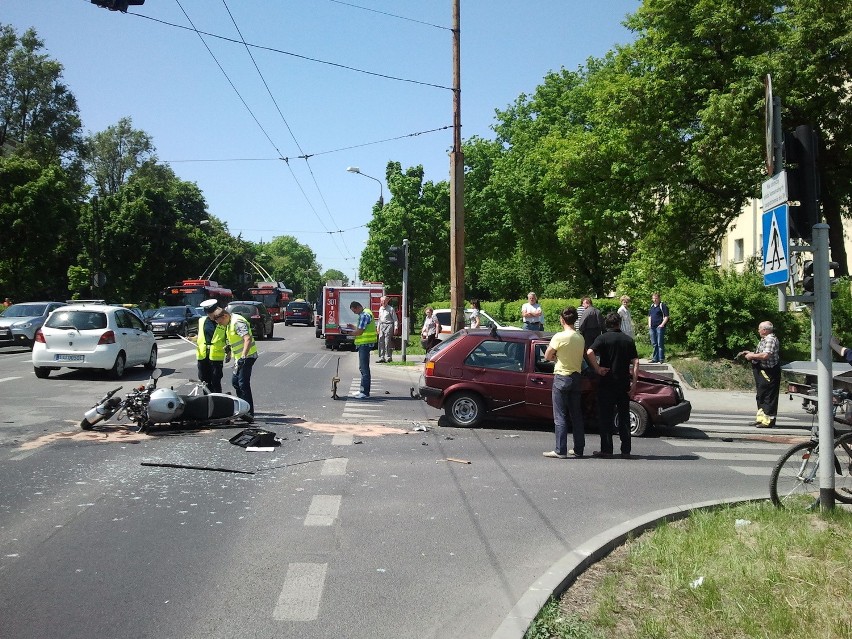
{"x":360,"y":396}
{"x":571,"y":453}
{"x":554,"y":455}
{"x":380,"y":361}
{"x":766,"y":424}
{"x":598,"y":453}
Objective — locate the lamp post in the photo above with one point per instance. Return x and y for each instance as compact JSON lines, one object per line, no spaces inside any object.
{"x":355,"y":169}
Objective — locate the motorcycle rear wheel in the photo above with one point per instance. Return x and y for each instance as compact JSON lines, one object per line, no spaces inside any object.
{"x":85,"y":424}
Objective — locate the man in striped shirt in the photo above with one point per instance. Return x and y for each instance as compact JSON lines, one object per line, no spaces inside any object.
{"x":766,"y":366}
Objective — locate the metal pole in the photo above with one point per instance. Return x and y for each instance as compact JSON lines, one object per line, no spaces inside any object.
{"x":457,"y":187}
{"x":405,"y":300}
{"x":822,"y":324}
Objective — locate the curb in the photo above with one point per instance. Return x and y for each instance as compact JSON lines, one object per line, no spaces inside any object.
{"x":561,"y":574}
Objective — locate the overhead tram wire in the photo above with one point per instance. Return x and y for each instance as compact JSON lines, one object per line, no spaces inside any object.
{"x":391,"y":15}
{"x":248,"y":108}
{"x":290,"y":53}
{"x":287,"y":124}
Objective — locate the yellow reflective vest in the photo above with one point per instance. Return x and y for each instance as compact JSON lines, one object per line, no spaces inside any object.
{"x":216,"y":348}
{"x":369,"y":335}
{"x":236,"y":340}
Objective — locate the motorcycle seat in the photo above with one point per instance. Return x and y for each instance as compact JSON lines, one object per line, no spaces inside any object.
{"x":208,"y":407}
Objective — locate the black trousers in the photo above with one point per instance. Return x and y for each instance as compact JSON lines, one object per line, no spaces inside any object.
{"x":614,"y":400}
{"x":767,"y":381}
{"x":210,"y":372}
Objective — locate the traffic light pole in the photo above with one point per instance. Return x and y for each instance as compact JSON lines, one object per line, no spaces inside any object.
{"x":825,"y":379}
{"x":405,"y":300}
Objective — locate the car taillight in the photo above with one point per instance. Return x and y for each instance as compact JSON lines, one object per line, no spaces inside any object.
{"x":107,"y":338}
{"x":429,"y":369}
{"x":39,"y":337}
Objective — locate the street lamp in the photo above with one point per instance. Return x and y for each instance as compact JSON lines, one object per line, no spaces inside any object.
{"x":355,"y":169}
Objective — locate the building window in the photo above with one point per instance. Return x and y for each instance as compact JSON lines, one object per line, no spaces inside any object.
{"x":718,"y":257}
{"x":738,"y":251}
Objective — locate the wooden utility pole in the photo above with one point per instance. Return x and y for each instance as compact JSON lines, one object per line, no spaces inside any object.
{"x":457,"y":188}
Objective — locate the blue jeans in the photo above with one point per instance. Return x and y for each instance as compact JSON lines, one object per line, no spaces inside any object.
{"x":658,"y":343}
{"x":364,"y":367}
{"x":566,"y":408}
{"x":241,"y":381}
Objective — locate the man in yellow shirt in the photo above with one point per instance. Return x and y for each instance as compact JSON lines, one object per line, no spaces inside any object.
{"x":566,"y":348}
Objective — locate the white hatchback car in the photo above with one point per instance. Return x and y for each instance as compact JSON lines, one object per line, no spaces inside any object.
{"x":485,"y":321}
{"x":93,"y":336}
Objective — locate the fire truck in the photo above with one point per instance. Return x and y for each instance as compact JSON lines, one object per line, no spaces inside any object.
{"x":336,"y":299}
{"x":274,"y":296}
{"x":193,"y":292}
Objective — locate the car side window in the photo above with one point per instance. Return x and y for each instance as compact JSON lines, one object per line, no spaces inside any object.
{"x":122,"y":319}
{"x":136,"y":323}
{"x":497,"y":354}
{"x":542,"y":365}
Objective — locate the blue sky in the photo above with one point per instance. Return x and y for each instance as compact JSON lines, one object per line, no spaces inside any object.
{"x":164,"y":78}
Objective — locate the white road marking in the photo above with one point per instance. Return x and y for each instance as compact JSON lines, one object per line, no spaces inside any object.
{"x":319,"y":361}
{"x":733,"y":446}
{"x":334,"y":466}
{"x":23,"y":455}
{"x":284,"y":360}
{"x":323,"y":510}
{"x":302,"y":592}
{"x":342,"y":439}
{"x":755,"y":457}
{"x":9,"y":379}
{"x":757,"y":471}
{"x":176,"y":356}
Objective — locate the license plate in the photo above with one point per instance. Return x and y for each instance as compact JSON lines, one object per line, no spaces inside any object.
{"x":68,"y":358}
{"x":5,"y":332}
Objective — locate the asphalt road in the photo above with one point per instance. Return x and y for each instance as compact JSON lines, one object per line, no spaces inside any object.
{"x":357,"y":526}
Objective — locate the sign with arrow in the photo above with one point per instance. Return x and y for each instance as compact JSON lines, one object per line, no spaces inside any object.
{"x":776,"y":246}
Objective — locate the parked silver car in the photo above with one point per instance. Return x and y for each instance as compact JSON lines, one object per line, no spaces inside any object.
{"x":18,"y":325}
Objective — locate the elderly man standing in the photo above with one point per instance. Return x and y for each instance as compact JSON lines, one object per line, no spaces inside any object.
{"x":244,"y":352}
{"x":766,"y":366}
{"x":387,"y":327}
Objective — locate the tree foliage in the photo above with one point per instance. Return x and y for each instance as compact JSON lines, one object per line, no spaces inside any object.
{"x":114,"y":154}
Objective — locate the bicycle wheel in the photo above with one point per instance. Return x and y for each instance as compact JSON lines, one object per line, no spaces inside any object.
{"x":843,"y":468}
{"x":794,"y":482}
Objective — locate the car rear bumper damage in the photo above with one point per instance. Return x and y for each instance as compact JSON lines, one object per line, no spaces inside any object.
{"x":675,"y":415}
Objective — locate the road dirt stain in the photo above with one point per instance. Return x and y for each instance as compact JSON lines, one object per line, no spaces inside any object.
{"x":100,"y":437}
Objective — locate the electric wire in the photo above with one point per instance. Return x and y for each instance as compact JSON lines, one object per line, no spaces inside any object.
{"x":289,"y":129}
{"x":392,"y":15}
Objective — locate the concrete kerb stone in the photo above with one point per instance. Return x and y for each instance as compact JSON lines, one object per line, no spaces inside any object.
{"x":564,"y":572}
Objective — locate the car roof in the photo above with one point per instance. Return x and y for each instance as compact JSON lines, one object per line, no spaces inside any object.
{"x":248,"y":302}
{"x":103,"y":308}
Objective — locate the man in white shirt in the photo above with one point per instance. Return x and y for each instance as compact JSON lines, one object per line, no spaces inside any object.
{"x":387,"y":323}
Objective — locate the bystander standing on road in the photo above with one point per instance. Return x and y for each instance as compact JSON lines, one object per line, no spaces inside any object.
{"x":618,"y":370}
{"x":243,"y":350}
{"x":387,"y":323}
{"x":531,"y":313}
{"x":430,"y":331}
{"x":658,"y":317}
{"x":591,"y":322}
{"x":365,"y":341}
{"x":474,"y":313}
{"x":626,"y":318}
{"x":766,"y":366}
{"x":566,"y":349}
{"x":211,"y":343}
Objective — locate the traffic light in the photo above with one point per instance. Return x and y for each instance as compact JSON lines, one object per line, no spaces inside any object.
{"x":117,"y":5}
{"x":396,"y":256}
{"x":801,"y":150}
{"x":808,"y":277}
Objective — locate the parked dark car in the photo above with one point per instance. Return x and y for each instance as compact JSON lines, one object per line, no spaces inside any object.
{"x":262,"y":323}
{"x":171,"y":321}
{"x":502,"y":373}
{"x":299,"y":313}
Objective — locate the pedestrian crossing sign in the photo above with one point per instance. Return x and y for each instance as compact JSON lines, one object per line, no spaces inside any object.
{"x":776,"y":246}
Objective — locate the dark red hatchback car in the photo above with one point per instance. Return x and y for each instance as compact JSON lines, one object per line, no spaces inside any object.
{"x":478,"y":373}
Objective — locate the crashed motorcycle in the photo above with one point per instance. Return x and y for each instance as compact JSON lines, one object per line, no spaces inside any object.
{"x":146,"y":406}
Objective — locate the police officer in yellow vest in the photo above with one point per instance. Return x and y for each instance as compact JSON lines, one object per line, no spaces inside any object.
{"x":244,"y":352}
{"x":210,"y":348}
{"x":365,"y":340}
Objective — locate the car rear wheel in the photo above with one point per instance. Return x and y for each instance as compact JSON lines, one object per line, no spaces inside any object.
{"x":639,"y":420}
{"x":41,"y":372}
{"x":117,"y":370}
{"x":152,"y":360}
{"x":464,"y":409}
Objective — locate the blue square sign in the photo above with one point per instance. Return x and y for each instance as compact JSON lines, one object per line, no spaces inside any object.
{"x":776,"y":246}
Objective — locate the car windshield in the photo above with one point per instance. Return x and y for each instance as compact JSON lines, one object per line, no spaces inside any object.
{"x":25,"y":310}
{"x":169,"y":312}
{"x":79,"y":320}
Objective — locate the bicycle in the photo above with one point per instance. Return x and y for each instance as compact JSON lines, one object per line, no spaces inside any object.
{"x":795,"y":477}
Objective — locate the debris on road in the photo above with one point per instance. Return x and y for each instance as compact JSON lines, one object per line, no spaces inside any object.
{"x":458,"y":461}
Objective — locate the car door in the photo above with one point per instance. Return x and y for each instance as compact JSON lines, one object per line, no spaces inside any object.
{"x":129,"y":337}
{"x":498,"y":367}
{"x":539,"y":383}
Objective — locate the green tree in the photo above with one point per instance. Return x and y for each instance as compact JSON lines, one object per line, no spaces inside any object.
{"x":38,"y":113}
{"x":38,"y":215}
{"x":113,"y":155}
{"x":333,"y":274}
{"x":297,"y":264}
